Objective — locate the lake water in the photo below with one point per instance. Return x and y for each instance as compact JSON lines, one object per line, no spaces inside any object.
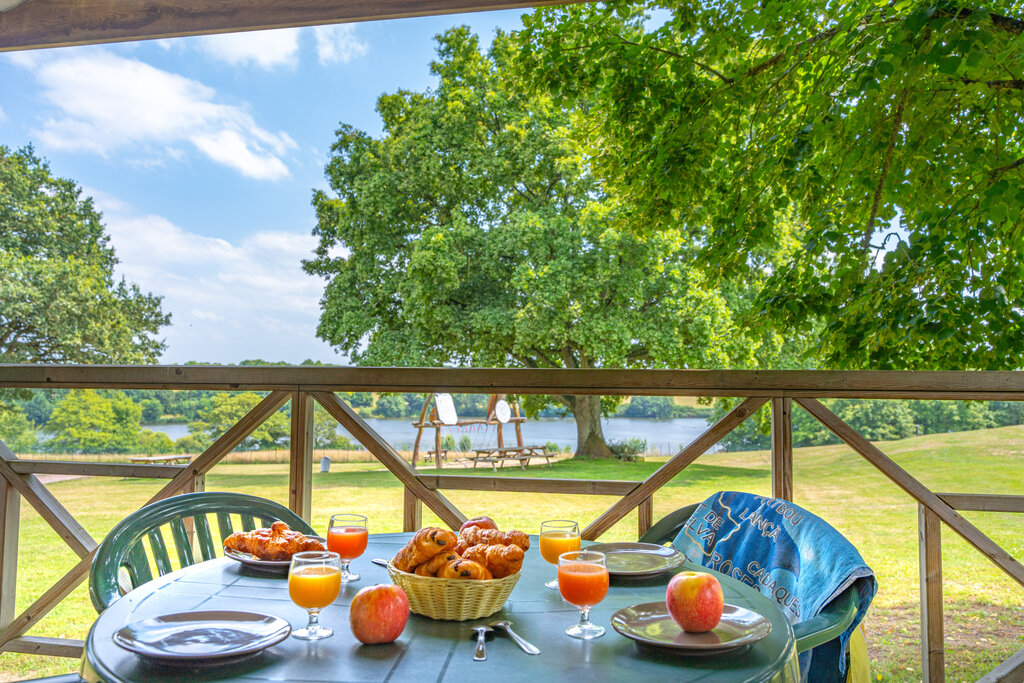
{"x":663,"y":436}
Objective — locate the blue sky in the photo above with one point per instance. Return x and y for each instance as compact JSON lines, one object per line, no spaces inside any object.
{"x":202,"y":154}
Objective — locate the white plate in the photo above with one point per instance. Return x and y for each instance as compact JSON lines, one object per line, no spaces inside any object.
{"x":278,"y":566}
{"x":189,"y":636}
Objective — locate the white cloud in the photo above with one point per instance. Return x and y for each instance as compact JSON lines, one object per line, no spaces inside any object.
{"x":266,"y":49}
{"x":338,"y":43}
{"x":3,"y":116}
{"x":106,"y":103}
{"x":229,"y":302}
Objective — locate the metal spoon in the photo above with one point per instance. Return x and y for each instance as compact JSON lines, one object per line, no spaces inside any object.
{"x":377,"y":560}
{"x":525,"y":646}
{"x":481,"y":638}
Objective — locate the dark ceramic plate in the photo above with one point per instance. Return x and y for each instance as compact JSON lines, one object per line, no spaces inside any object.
{"x":211,"y":635}
{"x":638,"y":559}
{"x":651,"y":624}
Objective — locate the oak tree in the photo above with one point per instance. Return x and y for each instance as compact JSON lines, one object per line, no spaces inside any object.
{"x":889,"y":132}
{"x":472,"y":232}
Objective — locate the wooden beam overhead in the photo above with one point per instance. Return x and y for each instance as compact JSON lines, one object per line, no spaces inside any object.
{"x":988,"y":386}
{"x":57,"y":23}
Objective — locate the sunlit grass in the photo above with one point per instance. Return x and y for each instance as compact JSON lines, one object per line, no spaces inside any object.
{"x":983,"y":605}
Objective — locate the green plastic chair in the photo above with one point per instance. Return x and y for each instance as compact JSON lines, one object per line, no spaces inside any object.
{"x":826,"y":626}
{"x":123,"y":545}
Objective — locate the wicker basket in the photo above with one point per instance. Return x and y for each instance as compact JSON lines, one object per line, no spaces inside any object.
{"x":453,"y":599}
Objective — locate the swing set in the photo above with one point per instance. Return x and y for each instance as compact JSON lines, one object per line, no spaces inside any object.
{"x":439,"y":412}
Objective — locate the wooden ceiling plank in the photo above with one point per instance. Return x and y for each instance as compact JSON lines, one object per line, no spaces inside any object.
{"x":59,"y":23}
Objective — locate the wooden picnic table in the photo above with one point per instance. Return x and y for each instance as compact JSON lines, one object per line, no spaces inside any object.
{"x":185,"y":459}
{"x":518,"y":454}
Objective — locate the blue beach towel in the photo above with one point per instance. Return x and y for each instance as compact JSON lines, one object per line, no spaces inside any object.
{"x":788,"y":554}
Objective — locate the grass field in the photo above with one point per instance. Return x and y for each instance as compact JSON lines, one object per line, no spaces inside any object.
{"x":984,"y":609}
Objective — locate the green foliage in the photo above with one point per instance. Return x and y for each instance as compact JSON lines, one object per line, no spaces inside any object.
{"x":629,"y":449}
{"x":660,"y":407}
{"x":359,"y":399}
{"x":868,"y":155}
{"x":448,"y":442}
{"x":325,"y":431}
{"x":876,"y":420}
{"x":154,"y":442}
{"x":16,"y":430}
{"x":391,"y":405}
{"x":86,"y":421}
{"x":226,"y":409}
{"x":152,"y":410}
{"x":465,"y":443}
{"x":59,"y":300}
{"x":39,"y":407}
{"x":471,"y":405}
{"x":472,"y":233}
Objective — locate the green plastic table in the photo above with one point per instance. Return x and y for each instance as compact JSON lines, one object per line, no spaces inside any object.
{"x":430,"y":650}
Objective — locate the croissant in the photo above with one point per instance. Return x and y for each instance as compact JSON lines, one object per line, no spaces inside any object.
{"x":424,"y":544}
{"x":465,"y":569}
{"x":460,"y":547}
{"x":434,"y":564}
{"x":475,"y":535}
{"x":501,"y":560}
{"x":278,"y":542}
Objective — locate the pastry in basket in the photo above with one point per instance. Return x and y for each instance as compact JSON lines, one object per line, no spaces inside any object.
{"x":464,"y":569}
{"x":434,"y":564}
{"x":424,"y":544}
{"x":460,"y":546}
{"x":475,"y":536}
{"x":500,"y":560}
{"x":278,"y":542}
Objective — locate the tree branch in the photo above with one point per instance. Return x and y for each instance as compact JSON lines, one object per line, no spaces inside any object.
{"x":998,"y":20}
{"x":897,"y":122}
{"x":995,"y":172}
{"x":1009,"y":84}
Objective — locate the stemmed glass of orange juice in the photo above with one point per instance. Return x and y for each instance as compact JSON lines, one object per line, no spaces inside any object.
{"x":583,"y":581}
{"x":347,"y":536}
{"x":314,"y":581}
{"x":558,"y":536}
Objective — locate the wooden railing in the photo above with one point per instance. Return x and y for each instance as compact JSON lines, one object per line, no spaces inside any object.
{"x":303,"y":386}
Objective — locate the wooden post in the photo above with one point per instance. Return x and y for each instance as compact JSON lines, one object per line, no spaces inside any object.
{"x":933,"y":665}
{"x":644,"y":516}
{"x":10,"y":517}
{"x":782,"y":448}
{"x":412,"y":511}
{"x":517,"y":424}
{"x":300,"y":469}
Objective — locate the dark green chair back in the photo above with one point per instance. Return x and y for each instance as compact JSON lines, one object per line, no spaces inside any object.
{"x":123,"y":546}
{"x":828,"y":625}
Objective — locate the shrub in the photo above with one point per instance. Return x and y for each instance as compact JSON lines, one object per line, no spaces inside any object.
{"x":465,"y":443}
{"x":628,"y":450}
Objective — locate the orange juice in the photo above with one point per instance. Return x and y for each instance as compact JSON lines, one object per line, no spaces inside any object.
{"x":554,"y":543}
{"x":348,"y":541}
{"x":582,"y":583}
{"x":314,"y":587}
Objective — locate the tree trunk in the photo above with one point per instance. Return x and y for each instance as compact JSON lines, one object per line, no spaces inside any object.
{"x":589,"y":437}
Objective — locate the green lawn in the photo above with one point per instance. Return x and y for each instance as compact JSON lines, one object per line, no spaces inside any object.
{"x":983,"y":606}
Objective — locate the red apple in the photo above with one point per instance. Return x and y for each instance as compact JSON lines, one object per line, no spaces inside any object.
{"x":695,"y":601}
{"x":482,"y":522}
{"x":378,"y":613}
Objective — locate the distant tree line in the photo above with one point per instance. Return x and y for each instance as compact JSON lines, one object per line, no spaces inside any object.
{"x":877,"y":420}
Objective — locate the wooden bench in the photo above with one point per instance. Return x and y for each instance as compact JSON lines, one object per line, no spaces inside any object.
{"x":172,"y":459}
